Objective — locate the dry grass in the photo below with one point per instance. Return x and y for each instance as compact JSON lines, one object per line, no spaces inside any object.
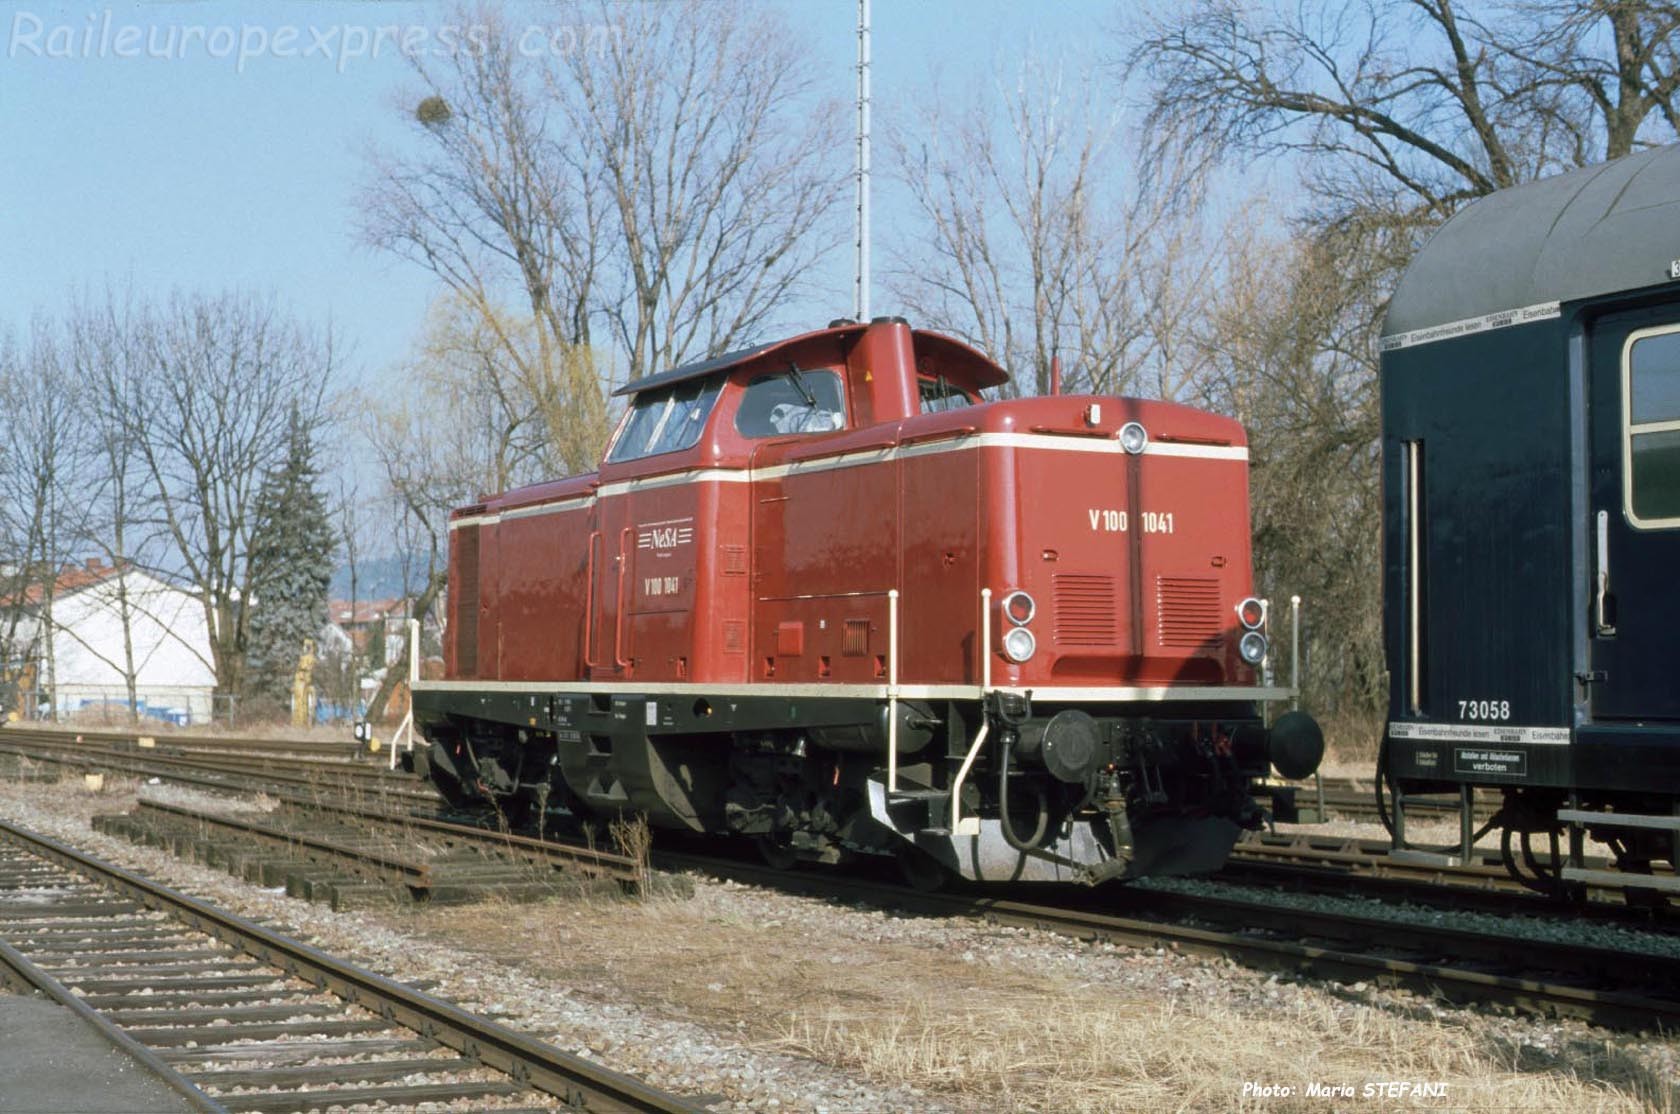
{"x":633,"y":839}
{"x":1001,"y":1036}
{"x":1057,"y":1052}
{"x":1350,"y":742}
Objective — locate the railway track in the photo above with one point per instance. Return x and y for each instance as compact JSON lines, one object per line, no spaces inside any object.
{"x":214,"y":769}
{"x":1601,"y":985}
{"x":1349,"y":798}
{"x":1369,"y":867}
{"x":237,"y":1017}
{"x":348,"y":856}
{"x":1307,"y":862}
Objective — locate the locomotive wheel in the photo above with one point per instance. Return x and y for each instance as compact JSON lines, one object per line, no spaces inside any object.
{"x":920,"y":870}
{"x":776,"y":855}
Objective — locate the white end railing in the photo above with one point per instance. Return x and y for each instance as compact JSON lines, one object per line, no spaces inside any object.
{"x":971,"y":825}
{"x":403,"y":737}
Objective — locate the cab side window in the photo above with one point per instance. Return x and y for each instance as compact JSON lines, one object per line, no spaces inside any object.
{"x":792,"y":401}
{"x":1651,"y":366}
{"x":938,"y":395}
{"x":666,"y":420}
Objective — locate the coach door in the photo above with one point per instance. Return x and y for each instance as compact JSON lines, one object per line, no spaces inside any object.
{"x":1634,"y":514}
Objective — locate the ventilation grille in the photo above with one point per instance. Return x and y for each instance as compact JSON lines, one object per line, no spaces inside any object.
{"x":1086,"y":614}
{"x":466,"y":601}
{"x":1187,"y":613}
{"x":854,"y":638}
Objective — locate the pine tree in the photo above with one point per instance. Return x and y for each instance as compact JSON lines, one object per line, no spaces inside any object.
{"x":293,"y":546}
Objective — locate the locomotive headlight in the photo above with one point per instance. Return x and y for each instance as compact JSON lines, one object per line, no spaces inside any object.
{"x":1252,"y":647}
{"x":1251,"y":613}
{"x":1019,"y":644}
{"x":1019,"y":608}
{"x":1133,"y":437}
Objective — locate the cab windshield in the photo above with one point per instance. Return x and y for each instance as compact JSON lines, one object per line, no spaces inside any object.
{"x":666,"y":420}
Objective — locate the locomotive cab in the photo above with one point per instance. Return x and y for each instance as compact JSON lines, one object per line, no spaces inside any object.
{"x":822,"y":594}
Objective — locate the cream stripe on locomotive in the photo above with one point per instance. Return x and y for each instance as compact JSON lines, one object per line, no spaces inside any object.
{"x":963,"y":443}
{"x":1110,"y":694}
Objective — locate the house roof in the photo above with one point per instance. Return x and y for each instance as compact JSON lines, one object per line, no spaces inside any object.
{"x":366,"y":611}
{"x":70,"y":578}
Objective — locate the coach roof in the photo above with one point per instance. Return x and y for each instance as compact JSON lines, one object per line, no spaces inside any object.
{"x":1594,"y":231}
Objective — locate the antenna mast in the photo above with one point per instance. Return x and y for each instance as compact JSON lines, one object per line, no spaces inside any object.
{"x":862,"y":282}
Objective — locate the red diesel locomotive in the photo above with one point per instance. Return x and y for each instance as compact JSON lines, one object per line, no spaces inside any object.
{"x":823,"y":595}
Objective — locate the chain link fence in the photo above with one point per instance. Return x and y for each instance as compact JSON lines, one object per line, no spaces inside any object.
{"x":98,"y":706}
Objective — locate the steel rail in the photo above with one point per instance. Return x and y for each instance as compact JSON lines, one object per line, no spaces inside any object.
{"x":407,"y":872}
{"x":29,"y":975}
{"x":199,"y":771}
{"x":346,"y":747}
{"x":576,"y":857}
{"x":525,"y":1059}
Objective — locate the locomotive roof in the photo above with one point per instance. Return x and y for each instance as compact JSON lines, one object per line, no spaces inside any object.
{"x":984,"y":371}
{"x":1598,"y":230}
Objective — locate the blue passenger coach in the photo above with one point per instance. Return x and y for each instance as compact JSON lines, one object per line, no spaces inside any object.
{"x":1531,"y":476}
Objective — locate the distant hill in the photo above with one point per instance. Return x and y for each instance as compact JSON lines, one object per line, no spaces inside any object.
{"x":379,"y":578}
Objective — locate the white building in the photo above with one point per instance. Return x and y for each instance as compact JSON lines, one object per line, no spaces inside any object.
{"x":174,"y":678}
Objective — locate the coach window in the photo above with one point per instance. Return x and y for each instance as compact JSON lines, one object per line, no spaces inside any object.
{"x":1651,"y":447}
{"x":938,"y":395}
{"x":792,"y":401}
{"x":666,"y":420}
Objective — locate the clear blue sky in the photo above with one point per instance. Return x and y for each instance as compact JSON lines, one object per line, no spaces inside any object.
{"x":203,"y":168}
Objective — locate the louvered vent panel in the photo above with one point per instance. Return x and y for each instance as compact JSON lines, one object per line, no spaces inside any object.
{"x":854,"y":638}
{"x":466,"y":601}
{"x":1086,"y":613}
{"x":1187,"y":610}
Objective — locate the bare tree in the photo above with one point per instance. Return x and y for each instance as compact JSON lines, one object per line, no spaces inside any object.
{"x":1042,"y":239}
{"x":224,"y":376}
{"x":1415,"y":106}
{"x":1289,"y":351}
{"x":108,"y":369}
{"x":40,"y":516}
{"x":719,"y":167}
{"x":645,"y":198}
{"x":500,"y":204}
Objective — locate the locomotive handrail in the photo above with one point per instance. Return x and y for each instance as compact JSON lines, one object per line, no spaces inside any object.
{"x":589,"y":604}
{"x":404,"y":734}
{"x":618,"y":610}
{"x":1060,"y":431}
{"x":949,"y":433}
{"x":985,"y":725}
{"x":892,"y":690}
